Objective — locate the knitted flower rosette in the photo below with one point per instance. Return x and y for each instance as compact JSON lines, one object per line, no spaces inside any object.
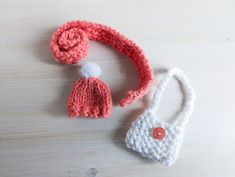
{"x":90,"y":97}
{"x":155,"y":139}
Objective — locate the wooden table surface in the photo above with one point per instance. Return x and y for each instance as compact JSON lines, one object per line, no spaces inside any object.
{"x":37,"y":139}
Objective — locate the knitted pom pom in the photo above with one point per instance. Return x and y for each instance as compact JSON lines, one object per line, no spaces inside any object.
{"x":90,"y":69}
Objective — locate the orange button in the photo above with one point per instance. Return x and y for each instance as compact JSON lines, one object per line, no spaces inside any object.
{"x":159,"y":133}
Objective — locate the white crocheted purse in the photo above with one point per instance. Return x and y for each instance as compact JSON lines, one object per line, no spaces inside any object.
{"x":154,"y":138}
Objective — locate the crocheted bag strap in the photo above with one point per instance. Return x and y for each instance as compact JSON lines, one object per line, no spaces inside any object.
{"x":70,"y":43}
{"x":188,"y":94}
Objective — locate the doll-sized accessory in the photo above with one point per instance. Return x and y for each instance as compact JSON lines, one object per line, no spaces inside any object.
{"x":90,"y":97}
{"x":152,"y":137}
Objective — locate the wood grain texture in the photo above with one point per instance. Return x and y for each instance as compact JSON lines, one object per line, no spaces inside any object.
{"x":36,"y":137}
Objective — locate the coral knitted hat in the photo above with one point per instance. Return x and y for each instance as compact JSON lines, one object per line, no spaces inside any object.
{"x":90,"y":97}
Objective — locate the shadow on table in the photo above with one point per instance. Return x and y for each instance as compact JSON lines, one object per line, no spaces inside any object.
{"x":42,"y":50}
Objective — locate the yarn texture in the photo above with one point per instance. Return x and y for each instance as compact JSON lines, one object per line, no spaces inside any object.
{"x":70,"y":43}
{"x":155,"y":139}
{"x":90,"y":97}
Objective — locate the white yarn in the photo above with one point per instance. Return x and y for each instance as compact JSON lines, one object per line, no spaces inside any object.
{"x":140,"y":138}
{"x":90,"y":69}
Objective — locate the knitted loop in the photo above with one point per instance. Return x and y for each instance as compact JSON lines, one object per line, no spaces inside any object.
{"x":188,"y":90}
{"x":69,"y":44}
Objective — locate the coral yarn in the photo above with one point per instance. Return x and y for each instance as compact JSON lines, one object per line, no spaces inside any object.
{"x":90,"y":97}
{"x":70,"y":43}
